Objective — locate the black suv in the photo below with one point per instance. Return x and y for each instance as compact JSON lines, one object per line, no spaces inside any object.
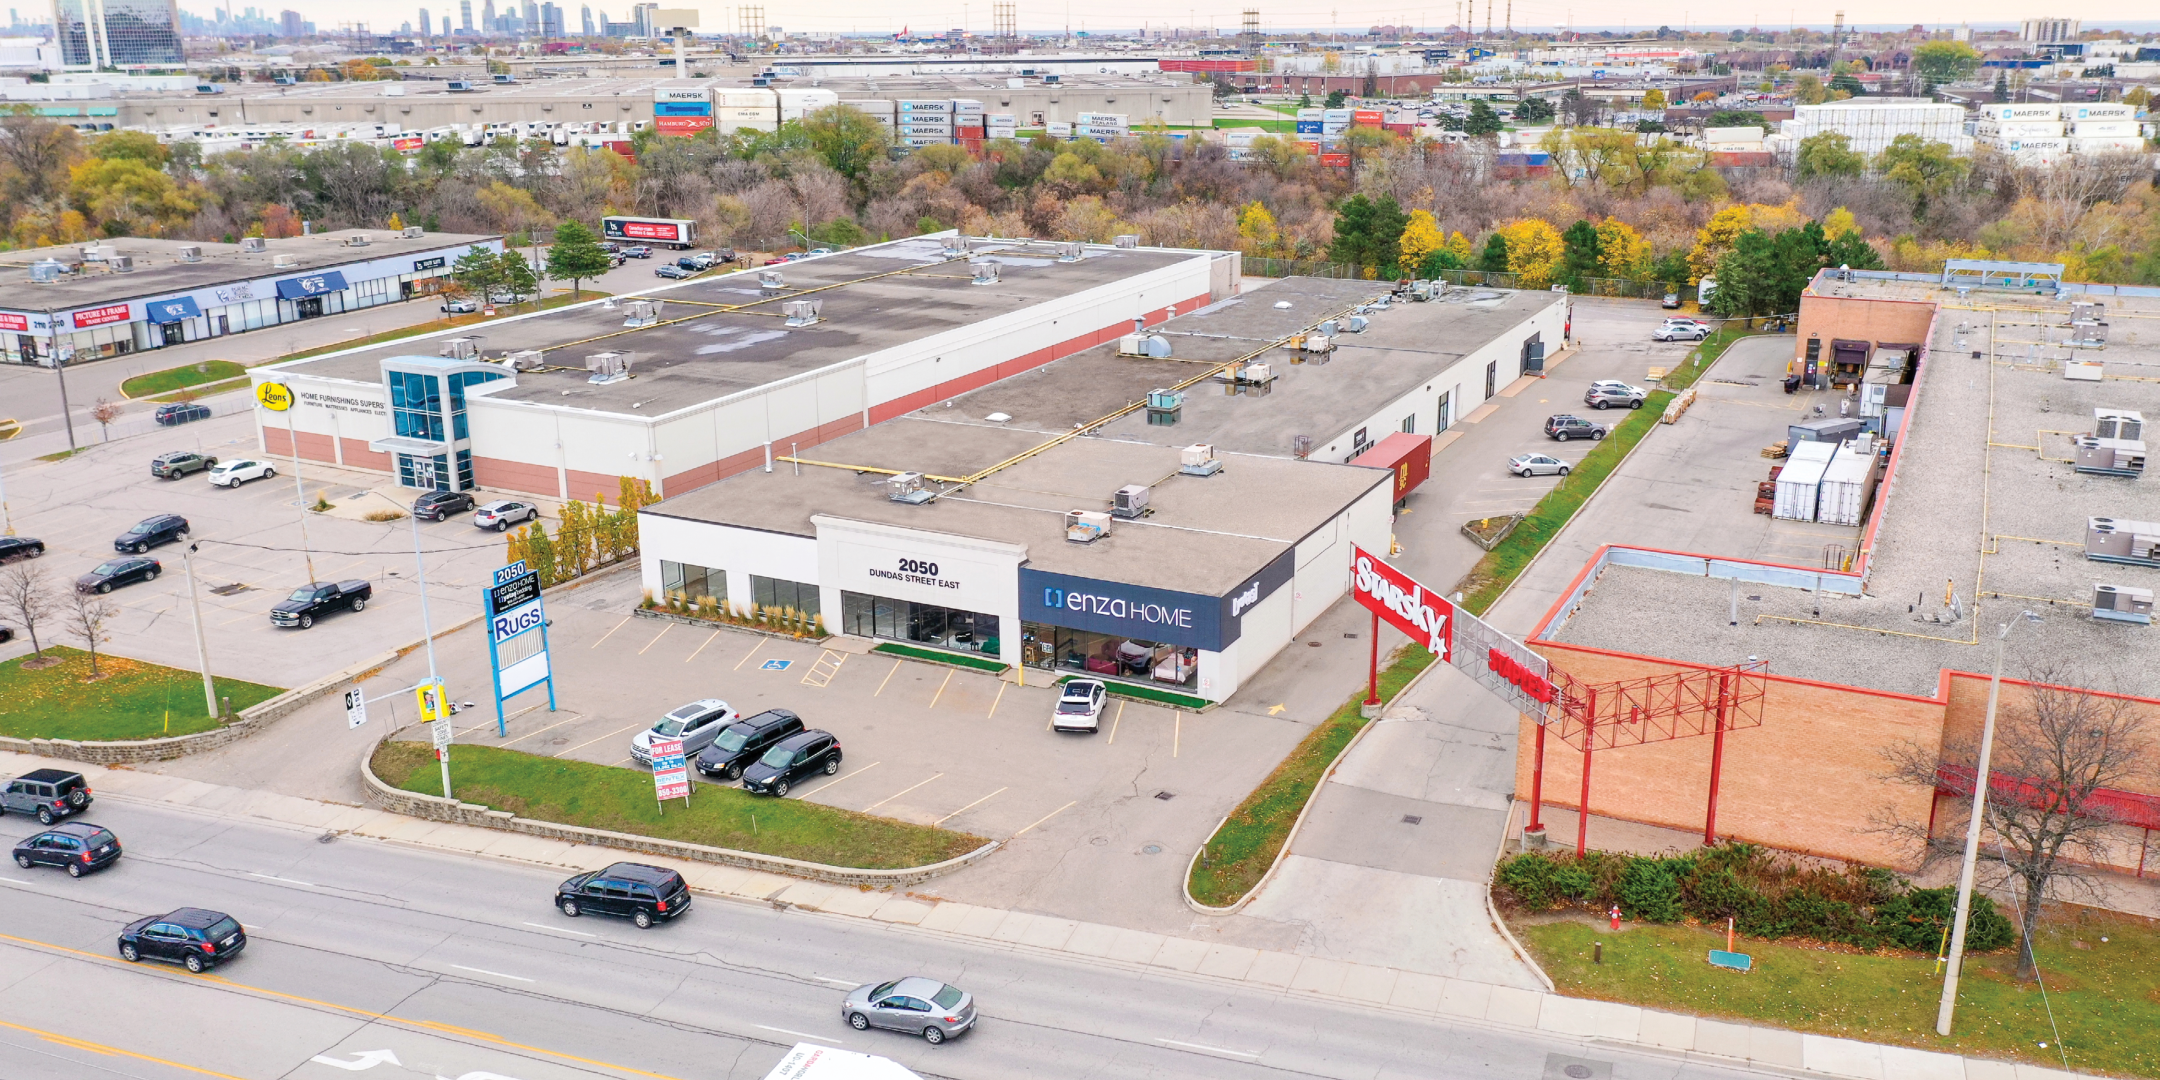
{"x":175,"y":465}
{"x":741,"y":742}
{"x":77,"y":847}
{"x":437,"y":505}
{"x":150,"y":532}
{"x":193,"y":937}
{"x":48,"y":793}
{"x":181,"y":413}
{"x":20,"y":547}
{"x":790,"y":759}
{"x":645,"y":894}
{"x":1564,"y":427}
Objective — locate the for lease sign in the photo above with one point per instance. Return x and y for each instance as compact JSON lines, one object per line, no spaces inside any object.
{"x":1403,"y":602}
{"x":670,"y":773}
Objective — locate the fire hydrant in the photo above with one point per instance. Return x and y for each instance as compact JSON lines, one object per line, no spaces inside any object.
{"x":1615,"y":916}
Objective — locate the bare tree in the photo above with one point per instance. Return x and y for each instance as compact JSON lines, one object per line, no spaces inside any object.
{"x":105,"y":413}
{"x":2057,"y":749}
{"x":86,"y":619}
{"x":24,"y":597}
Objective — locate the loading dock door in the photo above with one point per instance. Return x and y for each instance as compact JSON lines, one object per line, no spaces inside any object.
{"x":1848,"y":361}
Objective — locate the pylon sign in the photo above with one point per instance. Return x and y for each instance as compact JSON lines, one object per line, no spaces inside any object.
{"x":1497,"y":662}
{"x":517,"y":637}
{"x":1406,"y":605}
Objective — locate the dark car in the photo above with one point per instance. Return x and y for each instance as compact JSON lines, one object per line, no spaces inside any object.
{"x":181,"y":413}
{"x":319,"y":598}
{"x":77,"y":847}
{"x":1564,"y":427}
{"x":437,"y":505}
{"x":175,"y":465}
{"x":192,"y":937}
{"x":48,"y":793}
{"x":670,"y":270}
{"x":744,"y":741}
{"x":114,"y":573}
{"x":150,"y":532}
{"x":643,"y":894}
{"x":20,"y":547}
{"x":790,"y":759}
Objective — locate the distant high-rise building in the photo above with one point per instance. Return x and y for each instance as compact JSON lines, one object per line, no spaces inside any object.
{"x":641,"y":17}
{"x":465,"y":15}
{"x":427,"y":25}
{"x":289,"y":24}
{"x":2049,"y":31}
{"x":117,"y":33}
{"x":585,"y":18}
{"x":487,"y":17}
{"x":532,"y":17}
{"x":551,"y":21}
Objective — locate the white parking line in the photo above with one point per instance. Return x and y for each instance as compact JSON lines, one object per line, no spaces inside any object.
{"x":849,"y":983}
{"x":589,"y":742}
{"x":559,"y":930}
{"x":1047,"y":817}
{"x":1206,"y":1049}
{"x":803,"y":1034}
{"x":494,"y":974}
{"x":611,"y":631}
{"x":286,"y":880}
{"x":898,"y":793}
{"x":968,"y":807}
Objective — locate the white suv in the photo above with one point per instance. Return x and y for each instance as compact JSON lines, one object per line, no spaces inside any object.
{"x":236,"y":473}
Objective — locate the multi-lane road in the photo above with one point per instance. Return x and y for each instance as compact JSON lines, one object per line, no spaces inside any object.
{"x":392,"y":962}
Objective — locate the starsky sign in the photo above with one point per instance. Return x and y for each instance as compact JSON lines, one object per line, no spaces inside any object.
{"x":1404,"y":603}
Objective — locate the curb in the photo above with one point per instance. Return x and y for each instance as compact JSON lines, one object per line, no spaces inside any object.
{"x":1492,"y":911}
{"x":437,"y":808}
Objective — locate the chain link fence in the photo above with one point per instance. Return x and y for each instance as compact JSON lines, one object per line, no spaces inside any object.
{"x":1621,"y":288}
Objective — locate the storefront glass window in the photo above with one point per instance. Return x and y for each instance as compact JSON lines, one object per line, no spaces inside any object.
{"x":781,"y":593}
{"x":1108,"y":655}
{"x":926,"y":624}
{"x":416,"y":405}
{"x":684,"y":581}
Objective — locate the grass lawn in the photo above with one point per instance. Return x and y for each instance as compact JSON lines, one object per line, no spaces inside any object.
{"x":621,"y":800}
{"x":193,"y":393}
{"x":170,"y":379}
{"x":1279,"y":126}
{"x":2105,"y":995}
{"x":940,"y":656}
{"x":134,"y":700}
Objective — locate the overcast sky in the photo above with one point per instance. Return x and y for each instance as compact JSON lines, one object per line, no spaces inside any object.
{"x":884,"y":16}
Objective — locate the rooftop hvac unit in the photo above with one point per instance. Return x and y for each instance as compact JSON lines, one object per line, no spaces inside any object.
{"x":91,"y":253}
{"x":46,"y":271}
{"x":1125,"y":240}
{"x":1314,"y":344}
{"x":1149,"y":345}
{"x":358,"y":240}
{"x":413,"y":232}
{"x":2116,"y":540}
{"x":526,"y":360}
{"x":641,"y":313}
{"x":1330,"y":328}
{"x":1356,"y":324}
{"x":1198,"y":460}
{"x":1166,"y":399}
{"x":2084,"y":370}
{"x":2088,"y":335}
{"x":2118,"y":424}
{"x":2108,"y":457}
{"x":1426,"y":290}
{"x":802,"y":312}
{"x":461,"y":348}
{"x":1250,"y":373}
{"x":607,"y":367}
{"x":1301,"y":446}
{"x":190,"y":253}
{"x":1086,"y":526}
{"x":2086,"y":311}
{"x":1129,"y":501}
{"x":1071,"y":253}
{"x":121,"y":264}
{"x":957,"y":246}
{"x":284,"y":262}
{"x":986,"y":273}
{"x":2122,"y":603}
{"x":908,"y":488}
{"x":254,"y":244}
{"x":771,"y":281}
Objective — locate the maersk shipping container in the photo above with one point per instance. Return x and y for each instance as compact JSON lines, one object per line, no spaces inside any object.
{"x":2104,"y":129}
{"x":923,"y":131}
{"x":1842,"y":491}
{"x":2103,"y":111}
{"x":1314,"y":114}
{"x":940,"y":108}
{"x":2029,"y":111}
{"x":880,"y":110}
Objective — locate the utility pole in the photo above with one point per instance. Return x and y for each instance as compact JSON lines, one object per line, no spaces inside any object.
{"x":202,"y":645}
{"x":427,"y":633}
{"x":292,"y":437}
{"x":59,"y":365}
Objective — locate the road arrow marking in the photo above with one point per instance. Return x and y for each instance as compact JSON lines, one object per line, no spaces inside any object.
{"x":366,"y":1059}
{"x":1276,"y":710}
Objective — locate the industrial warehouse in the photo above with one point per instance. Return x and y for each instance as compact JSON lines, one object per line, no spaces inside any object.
{"x":127,"y":295}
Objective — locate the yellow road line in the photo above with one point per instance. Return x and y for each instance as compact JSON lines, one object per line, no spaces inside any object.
{"x":113,"y":1051}
{"x":656,"y":637}
{"x":994,"y":701}
{"x":941,"y":687}
{"x":969,"y":807}
{"x":898,"y":793}
{"x":887,"y":679}
{"x":1047,"y":817}
{"x":746,"y":656}
{"x":1114,"y":721}
{"x":701,"y":648}
{"x":611,"y":631}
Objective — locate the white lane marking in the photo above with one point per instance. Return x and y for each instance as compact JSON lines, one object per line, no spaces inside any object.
{"x":366,"y":1059}
{"x":286,"y":880}
{"x":496,"y":974}
{"x":17,"y":881}
{"x":559,"y":930}
{"x":802,"y":1034}
{"x":836,"y":982}
{"x":1208,"y":1049}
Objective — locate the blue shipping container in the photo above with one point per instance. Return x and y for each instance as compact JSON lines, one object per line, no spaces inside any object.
{"x":1308,"y":127}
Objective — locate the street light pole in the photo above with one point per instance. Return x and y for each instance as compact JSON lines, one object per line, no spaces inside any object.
{"x":292,"y":438}
{"x":1945,"y":1011}
{"x":59,"y":363}
{"x":202,"y":645}
{"x":427,"y":633}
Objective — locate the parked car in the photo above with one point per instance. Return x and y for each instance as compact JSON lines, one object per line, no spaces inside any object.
{"x":77,"y":847}
{"x":703,"y":260}
{"x":915,"y":1005}
{"x":235,"y":473}
{"x":1536,"y":465}
{"x":1607,"y":395}
{"x":1079,"y":707}
{"x":817,"y":251}
{"x":638,"y":251}
{"x":113,"y":573}
{"x":438,"y":505}
{"x":643,"y":894}
{"x":790,"y":759}
{"x":175,"y":465}
{"x":20,"y":547}
{"x":503,"y":513}
{"x":1671,"y":301}
{"x":460,"y":305}
{"x":180,"y":412}
{"x":50,"y":794}
{"x":7,"y":634}
{"x":744,"y":741}
{"x":1680,"y":332}
{"x":670,"y":270}
{"x":194,"y":938}
{"x":320,"y":598}
{"x":696,"y":724}
{"x":1564,"y":427}
{"x":723,"y":255}
{"x":150,"y":532}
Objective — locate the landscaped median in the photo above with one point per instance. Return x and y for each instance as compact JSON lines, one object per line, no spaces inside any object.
{"x":181,"y":378}
{"x":611,"y":806}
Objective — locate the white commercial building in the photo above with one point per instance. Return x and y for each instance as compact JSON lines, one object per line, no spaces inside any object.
{"x":1872,"y":124}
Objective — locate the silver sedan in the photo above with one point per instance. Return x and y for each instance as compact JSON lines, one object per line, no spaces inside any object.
{"x":1536,"y":465}
{"x":915,"y":1005}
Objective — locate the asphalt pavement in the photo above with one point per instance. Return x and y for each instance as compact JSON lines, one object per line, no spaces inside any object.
{"x":372,"y":957}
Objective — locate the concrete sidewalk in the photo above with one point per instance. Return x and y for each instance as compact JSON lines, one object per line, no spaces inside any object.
{"x":1453,"y":999}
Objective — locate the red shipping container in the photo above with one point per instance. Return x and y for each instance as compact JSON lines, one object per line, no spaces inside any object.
{"x":972,"y":146}
{"x":681,"y":125}
{"x":1368,"y":117}
{"x":1410,"y":456}
{"x":1340,"y":161}
{"x":1401,"y":129}
{"x":964,"y":132}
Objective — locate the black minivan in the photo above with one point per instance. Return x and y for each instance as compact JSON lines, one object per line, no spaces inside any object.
{"x":644,"y":894}
{"x":741,"y":742}
{"x":797,"y":756}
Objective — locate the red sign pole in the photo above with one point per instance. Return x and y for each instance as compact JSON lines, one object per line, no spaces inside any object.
{"x":1582,"y":811}
{"x":1717,"y":762}
{"x":1537,"y":783}
{"x":1372,"y":680}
